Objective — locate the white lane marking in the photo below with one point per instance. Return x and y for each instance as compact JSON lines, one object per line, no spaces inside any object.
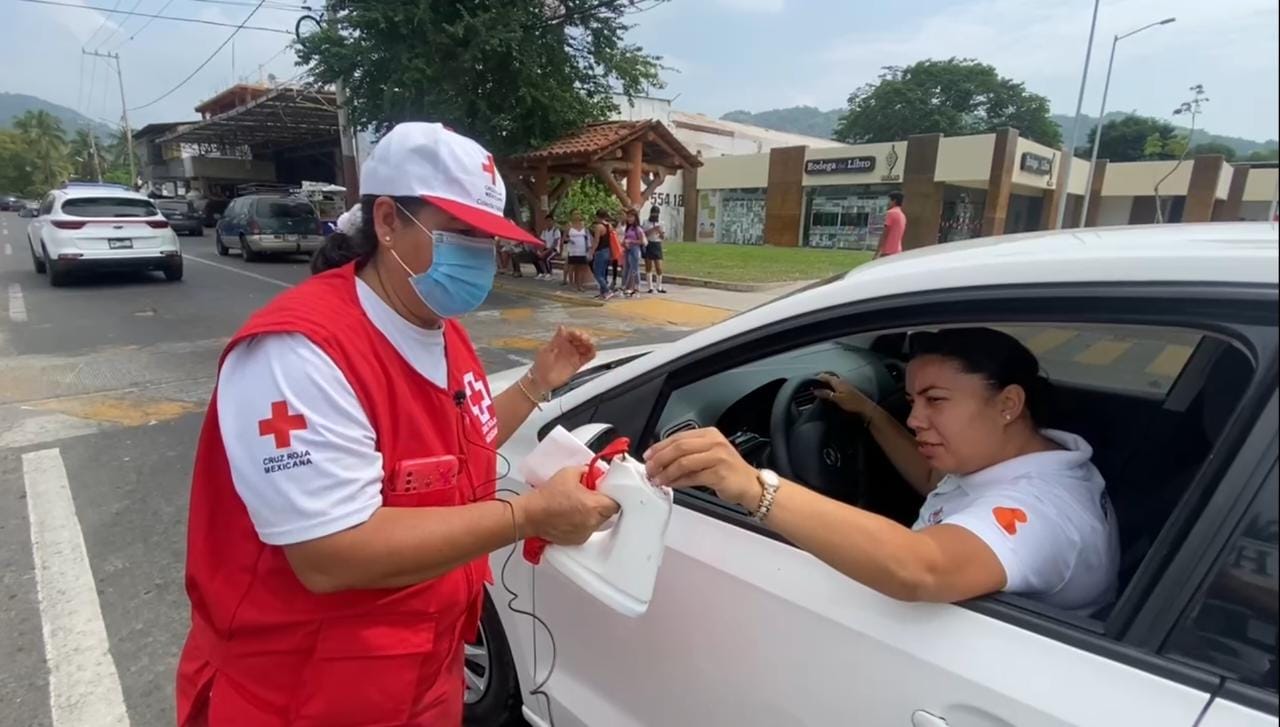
{"x":263,"y":278}
{"x":8,"y":249}
{"x":17,"y":305}
{"x":84,"y":687}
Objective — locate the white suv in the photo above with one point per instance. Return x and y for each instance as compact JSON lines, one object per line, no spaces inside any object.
{"x":101,"y":226}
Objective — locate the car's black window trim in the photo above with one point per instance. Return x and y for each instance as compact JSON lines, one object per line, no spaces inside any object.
{"x":1235,"y":312}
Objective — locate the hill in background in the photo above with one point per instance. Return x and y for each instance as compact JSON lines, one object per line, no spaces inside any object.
{"x":816,"y":122}
{"x":13,"y":105}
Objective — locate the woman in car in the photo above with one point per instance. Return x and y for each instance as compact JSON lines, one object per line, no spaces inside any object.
{"x":342,"y":502}
{"x":1009,"y":506}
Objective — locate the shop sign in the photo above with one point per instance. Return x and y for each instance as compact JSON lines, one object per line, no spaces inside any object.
{"x":1036,"y":163}
{"x":891,"y":161}
{"x":840,"y":165}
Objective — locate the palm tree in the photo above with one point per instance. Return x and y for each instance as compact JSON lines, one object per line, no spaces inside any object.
{"x":43,"y":134}
{"x":116,"y":157}
{"x":85,"y":153}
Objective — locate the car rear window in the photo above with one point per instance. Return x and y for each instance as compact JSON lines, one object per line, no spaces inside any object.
{"x":174,"y":206}
{"x":108,"y":207}
{"x":285,"y":209}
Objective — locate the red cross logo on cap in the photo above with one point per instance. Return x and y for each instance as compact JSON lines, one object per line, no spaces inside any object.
{"x":489,"y":167}
{"x":281,"y":424}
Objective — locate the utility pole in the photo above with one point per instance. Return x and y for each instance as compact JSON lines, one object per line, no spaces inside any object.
{"x":1069,"y":151}
{"x":346,"y":135}
{"x":124,"y":113}
{"x":93,"y":149}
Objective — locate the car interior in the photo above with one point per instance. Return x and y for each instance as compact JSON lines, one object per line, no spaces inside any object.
{"x":1151,"y":436}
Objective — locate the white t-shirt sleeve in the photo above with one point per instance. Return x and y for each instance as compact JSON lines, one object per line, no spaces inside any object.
{"x":1026,"y":534}
{"x":302,"y":452}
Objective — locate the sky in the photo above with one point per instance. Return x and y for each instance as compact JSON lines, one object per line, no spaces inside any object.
{"x":723,"y":54}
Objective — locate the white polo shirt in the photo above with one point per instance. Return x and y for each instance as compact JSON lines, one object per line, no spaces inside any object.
{"x":332,"y":478}
{"x":1047,"y":518}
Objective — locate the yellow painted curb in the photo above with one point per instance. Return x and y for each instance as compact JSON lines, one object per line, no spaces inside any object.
{"x":690,"y":315}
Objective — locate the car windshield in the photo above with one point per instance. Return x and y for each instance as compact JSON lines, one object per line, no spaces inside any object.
{"x":182,"y":207}
{"x":108,"y":207}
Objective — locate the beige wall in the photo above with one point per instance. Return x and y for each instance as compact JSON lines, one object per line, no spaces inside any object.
{"x":1037,"y":181}
{"x":875,"y":176}
{"x":965,"y":159}
{"x":1114,"y":211}
{"x":1079,"y":177}
{"x":1138,"y":179}
{"x":1261,"y":185}
{"x":747,"y":171}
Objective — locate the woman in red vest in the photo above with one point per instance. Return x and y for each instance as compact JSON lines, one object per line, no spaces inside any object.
{"x":342,"y":508}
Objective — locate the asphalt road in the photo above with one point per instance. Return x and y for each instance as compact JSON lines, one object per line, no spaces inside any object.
{"x":103,"y":385}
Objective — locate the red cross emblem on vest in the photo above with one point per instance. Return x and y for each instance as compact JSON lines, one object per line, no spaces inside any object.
{"x":281,"y":424}
{"x":478,"y":399}
{"x":488,"y":166}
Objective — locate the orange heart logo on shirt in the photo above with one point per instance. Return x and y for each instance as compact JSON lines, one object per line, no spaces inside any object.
{"x":1009,"y":517}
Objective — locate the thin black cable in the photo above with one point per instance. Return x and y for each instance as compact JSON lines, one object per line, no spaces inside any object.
{"x":103,"y":43}
{"x":215,"y":52}
{"x":538,"y":689}
{"x":145,"y":25}
{"x":101,"y":25}
{"x":74,"y":6}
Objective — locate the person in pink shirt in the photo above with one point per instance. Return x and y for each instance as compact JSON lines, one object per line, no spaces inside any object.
{"x":895,"y":223}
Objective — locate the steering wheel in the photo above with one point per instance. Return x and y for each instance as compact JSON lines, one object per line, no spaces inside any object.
{"x":819,"y":447}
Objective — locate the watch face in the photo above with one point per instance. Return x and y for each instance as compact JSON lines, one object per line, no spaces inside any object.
{"x":769,"y":477}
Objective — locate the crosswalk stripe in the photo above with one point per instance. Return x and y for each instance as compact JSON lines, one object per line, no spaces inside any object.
{"x":1049,"y":338}
{"x":84,"y":686}
{"x":1103,"y":352}
{"x":1170,"y":361}
{"x":17,"y":304}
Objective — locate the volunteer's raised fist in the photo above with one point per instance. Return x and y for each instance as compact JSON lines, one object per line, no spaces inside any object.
{"x":562,"y":510}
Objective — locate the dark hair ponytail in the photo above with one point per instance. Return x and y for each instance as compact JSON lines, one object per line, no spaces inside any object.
{"x":339,"y":248}
{"x":996,"y":356}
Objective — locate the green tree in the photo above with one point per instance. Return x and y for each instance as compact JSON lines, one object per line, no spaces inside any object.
{"x":513,"y":74}
{"x":1214,"y":147}
{"x":587,"y":194}
{"x":15,"y":163}
{"x":81,"y":151}
{"x":1131,"y":139}
{"x":954,"y":97}
{"x":1264,"y":155}
{"x":116,"y":160}
{"x":43,"y":134}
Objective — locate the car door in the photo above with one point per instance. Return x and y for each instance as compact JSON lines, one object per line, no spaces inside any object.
{"x":35,"y":228}
{"x":229,"y":224}
{"x":745,"y":629}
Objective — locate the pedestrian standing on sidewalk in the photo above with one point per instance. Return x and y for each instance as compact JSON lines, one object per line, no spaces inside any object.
{"x":342,"y":501}
{"x":654,"y":235}
{"x":633,"y":243}
{"x":602,"y":253}
{"x":578,"y":250}
{"x":895,"y":225}
{"x":564,"y":253}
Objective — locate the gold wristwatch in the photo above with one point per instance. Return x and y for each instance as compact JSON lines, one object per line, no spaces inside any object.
{"x":769,"y":482}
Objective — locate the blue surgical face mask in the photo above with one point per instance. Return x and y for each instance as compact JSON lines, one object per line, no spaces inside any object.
{"x":461,"y":272}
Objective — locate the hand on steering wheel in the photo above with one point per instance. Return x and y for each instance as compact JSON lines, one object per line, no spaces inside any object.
{"x":844,"y":395}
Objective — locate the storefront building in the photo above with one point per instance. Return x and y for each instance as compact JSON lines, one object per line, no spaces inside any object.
{"x":955,"y":188}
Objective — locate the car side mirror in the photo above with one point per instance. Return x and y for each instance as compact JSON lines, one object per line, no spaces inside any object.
{"x":595,"y":436}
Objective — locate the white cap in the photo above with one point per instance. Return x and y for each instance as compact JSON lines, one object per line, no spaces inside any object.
{"x":440,"y":166}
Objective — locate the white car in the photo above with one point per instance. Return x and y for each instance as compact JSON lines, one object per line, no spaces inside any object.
{"x":1162,"y":343}
{"x":88,"y":227}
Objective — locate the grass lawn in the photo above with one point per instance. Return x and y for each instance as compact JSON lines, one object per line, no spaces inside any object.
{"x":757,"y":263}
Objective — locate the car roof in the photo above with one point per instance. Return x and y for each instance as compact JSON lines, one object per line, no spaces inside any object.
{"x":90,"y":190}
{"x":1224,"y":252}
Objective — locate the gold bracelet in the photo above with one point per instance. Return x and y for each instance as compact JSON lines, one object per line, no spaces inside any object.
{"x":523,"y":389}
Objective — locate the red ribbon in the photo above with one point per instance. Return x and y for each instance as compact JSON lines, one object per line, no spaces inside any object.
{"x":533,"y":547}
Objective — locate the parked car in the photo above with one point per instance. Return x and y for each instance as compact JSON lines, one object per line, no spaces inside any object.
{"x":182,"y":215}
{"x":1163,"y":340}
{"x":88,"y":227}
{"x":11,"y":203}
{"x":267,"y":224}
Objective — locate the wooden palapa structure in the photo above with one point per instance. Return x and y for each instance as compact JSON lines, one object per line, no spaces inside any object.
{"x":631,"y":158}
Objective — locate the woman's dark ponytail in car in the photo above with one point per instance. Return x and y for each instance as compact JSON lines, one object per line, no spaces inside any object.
{"x":360,"y":241}
{"x":996,"y":356}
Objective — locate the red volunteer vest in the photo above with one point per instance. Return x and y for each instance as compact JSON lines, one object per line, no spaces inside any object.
{"x":262,"y":649}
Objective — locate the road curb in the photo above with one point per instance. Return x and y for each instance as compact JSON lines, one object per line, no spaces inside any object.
{"x":518,"y":289}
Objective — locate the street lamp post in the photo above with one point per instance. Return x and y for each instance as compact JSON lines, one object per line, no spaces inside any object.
{"x":1097,"y":130}
{"x":1068,"y":154}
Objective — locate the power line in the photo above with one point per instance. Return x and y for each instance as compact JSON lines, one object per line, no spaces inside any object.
{"x":102,"y":43}
{"x":100,"y":25}
{"x":158,"y":17}
{"x":206,"y":61}
{"x":145,"y":25}
{"x":269,"y":5}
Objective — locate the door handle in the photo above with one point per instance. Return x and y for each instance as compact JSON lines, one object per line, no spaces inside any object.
{"x":921,"y":718}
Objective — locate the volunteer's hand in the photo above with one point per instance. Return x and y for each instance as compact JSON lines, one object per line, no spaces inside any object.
{"x":556,"y":362}
{"x":845,"y":395}
{"x":703,"y":457}
{"x":563,"y":511}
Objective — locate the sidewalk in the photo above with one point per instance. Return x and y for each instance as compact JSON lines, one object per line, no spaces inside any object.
{"x":683,"y":305}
